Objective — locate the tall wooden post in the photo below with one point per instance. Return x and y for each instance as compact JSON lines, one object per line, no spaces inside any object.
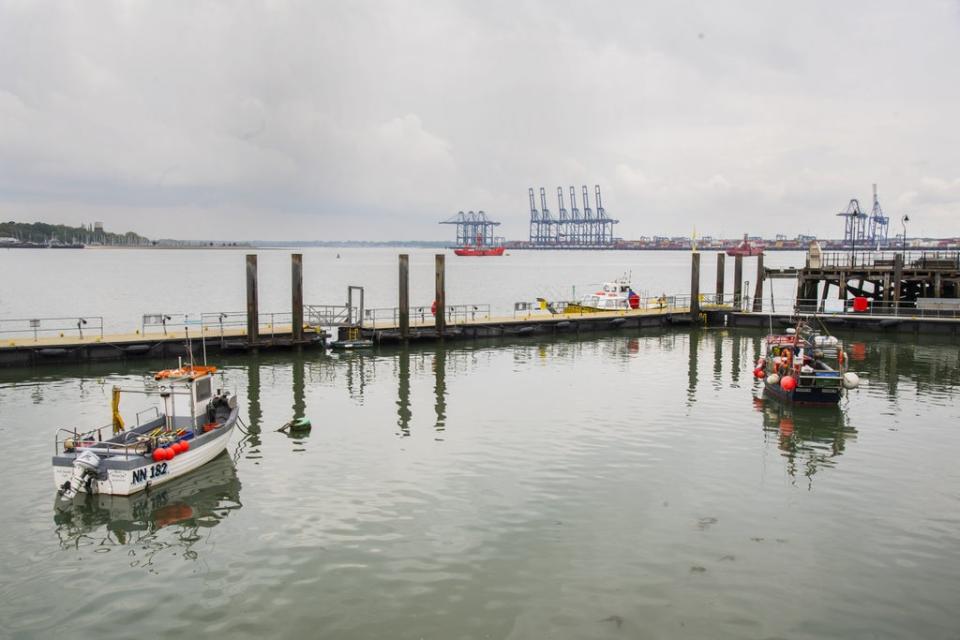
{"x":695,"y":286}
{"x":897,"y":280}
{"x":404,"y":295}
{"x":738,"y":282}
{"x":253,"y":308}
{"x":721,"y":268}
{"x":440,"y":321}
{"x":758,"y":295}
{"x":296,"y":299}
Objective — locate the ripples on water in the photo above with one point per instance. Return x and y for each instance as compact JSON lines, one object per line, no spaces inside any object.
{"x":618,"y":486}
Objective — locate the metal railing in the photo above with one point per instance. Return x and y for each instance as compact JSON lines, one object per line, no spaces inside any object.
{"x":887,"y":259}
{"x":44,"y":327}
{"x":329,"y":315}
{"x":454,"y":313}
{"x":922,"y":308}
{"x":216,"y":324}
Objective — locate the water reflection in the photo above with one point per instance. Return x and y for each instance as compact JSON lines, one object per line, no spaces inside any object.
{"x":809,"y":438}
{"x":250,"y":443}
{"x":174,"y":516}
{"x":440,"y":388}
{"x":404,"y":414}
{"x":692,"y":367}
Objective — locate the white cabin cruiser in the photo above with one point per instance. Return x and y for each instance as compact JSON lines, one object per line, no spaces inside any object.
{"x":163,"y":448}
{"x":612,"y":296}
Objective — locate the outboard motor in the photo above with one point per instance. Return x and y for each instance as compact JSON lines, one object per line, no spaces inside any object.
{"x":85,"y":467}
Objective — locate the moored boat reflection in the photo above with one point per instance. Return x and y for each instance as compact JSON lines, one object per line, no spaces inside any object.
{"x":810,"y":439}
{"x":184,"y":507}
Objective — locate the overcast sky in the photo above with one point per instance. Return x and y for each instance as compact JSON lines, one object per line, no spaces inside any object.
{"x":375,"y":120}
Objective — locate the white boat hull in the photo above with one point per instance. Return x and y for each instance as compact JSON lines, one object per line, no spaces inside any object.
{"x":125,"y":482}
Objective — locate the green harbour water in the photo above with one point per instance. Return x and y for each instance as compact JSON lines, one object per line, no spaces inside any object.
{"x":621,"y":485}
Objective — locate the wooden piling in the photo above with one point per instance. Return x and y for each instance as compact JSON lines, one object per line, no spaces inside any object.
{"x":296,"y":277}
{"x":897,"y":279}
{"x":253,"y":308}
{"x":695,"y":285}
{"x":738,"y":282}
{"x":404,"y":296}
{"x":758,"y":295}
{"x":721,"y":268}
{"x":440,"y":319}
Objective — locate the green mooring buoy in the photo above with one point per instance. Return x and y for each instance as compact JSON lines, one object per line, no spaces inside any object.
{"x":298,"y":425}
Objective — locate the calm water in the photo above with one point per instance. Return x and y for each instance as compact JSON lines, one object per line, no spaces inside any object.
{"x":121,"y":285}
{"x":619,"y":486}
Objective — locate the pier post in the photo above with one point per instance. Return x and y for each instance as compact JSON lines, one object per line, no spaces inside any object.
{"x":404,"y":295}
{"x":843,"y":286}
{"x":937,"y":285}
{"x":296,"y":277}
{"x":253,"y":308}
{"x":758,"y":296}
{"x":738,"y":283}
{"x":897,"y":280}
{"x":721,"y":269}
{"x":695,"y":286}
{"x":440,"y":320}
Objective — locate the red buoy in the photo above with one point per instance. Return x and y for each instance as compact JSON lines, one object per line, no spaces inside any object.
{"x":177,"y":448}
{"x":184,"y":446}
{"x":861,"y":304}
{"x":158,"y":455}
{"x":788,"y":383}
{"x":758,"y":373}
{"x":168,"y":453}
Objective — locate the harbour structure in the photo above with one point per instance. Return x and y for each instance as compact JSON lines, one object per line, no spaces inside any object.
{"x":573,"y":228}
{"x":914,"y":292}
{"x":474,"y":229}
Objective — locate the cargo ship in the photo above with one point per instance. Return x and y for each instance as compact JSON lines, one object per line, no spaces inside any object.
{"x":745,"y":248}
{"x":479,"y":249}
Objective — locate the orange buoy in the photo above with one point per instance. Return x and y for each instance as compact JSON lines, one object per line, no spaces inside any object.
{"x":788,"y":383}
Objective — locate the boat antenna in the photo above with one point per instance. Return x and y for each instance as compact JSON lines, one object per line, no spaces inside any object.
{"x":186,"y":331}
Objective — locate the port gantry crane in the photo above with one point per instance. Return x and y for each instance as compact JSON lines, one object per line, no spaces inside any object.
{"x":860,"y":229}
{"x":573,"y":227}
{"x":473,"y":228}
{"x":879,"y":223}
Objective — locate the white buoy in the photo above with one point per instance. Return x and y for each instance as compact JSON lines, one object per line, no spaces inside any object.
{"x":773,"y":379}
{"x":851,"y":380}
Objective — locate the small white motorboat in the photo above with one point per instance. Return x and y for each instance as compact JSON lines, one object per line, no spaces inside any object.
{"x":165,"y":447}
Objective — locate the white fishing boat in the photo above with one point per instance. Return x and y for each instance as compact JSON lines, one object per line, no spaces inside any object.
{"x":119,"y":461}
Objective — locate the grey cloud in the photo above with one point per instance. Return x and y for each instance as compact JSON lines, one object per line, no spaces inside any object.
{"x":377,"y":119}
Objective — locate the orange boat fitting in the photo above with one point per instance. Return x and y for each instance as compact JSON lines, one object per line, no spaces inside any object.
{"x":190,"y":372}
